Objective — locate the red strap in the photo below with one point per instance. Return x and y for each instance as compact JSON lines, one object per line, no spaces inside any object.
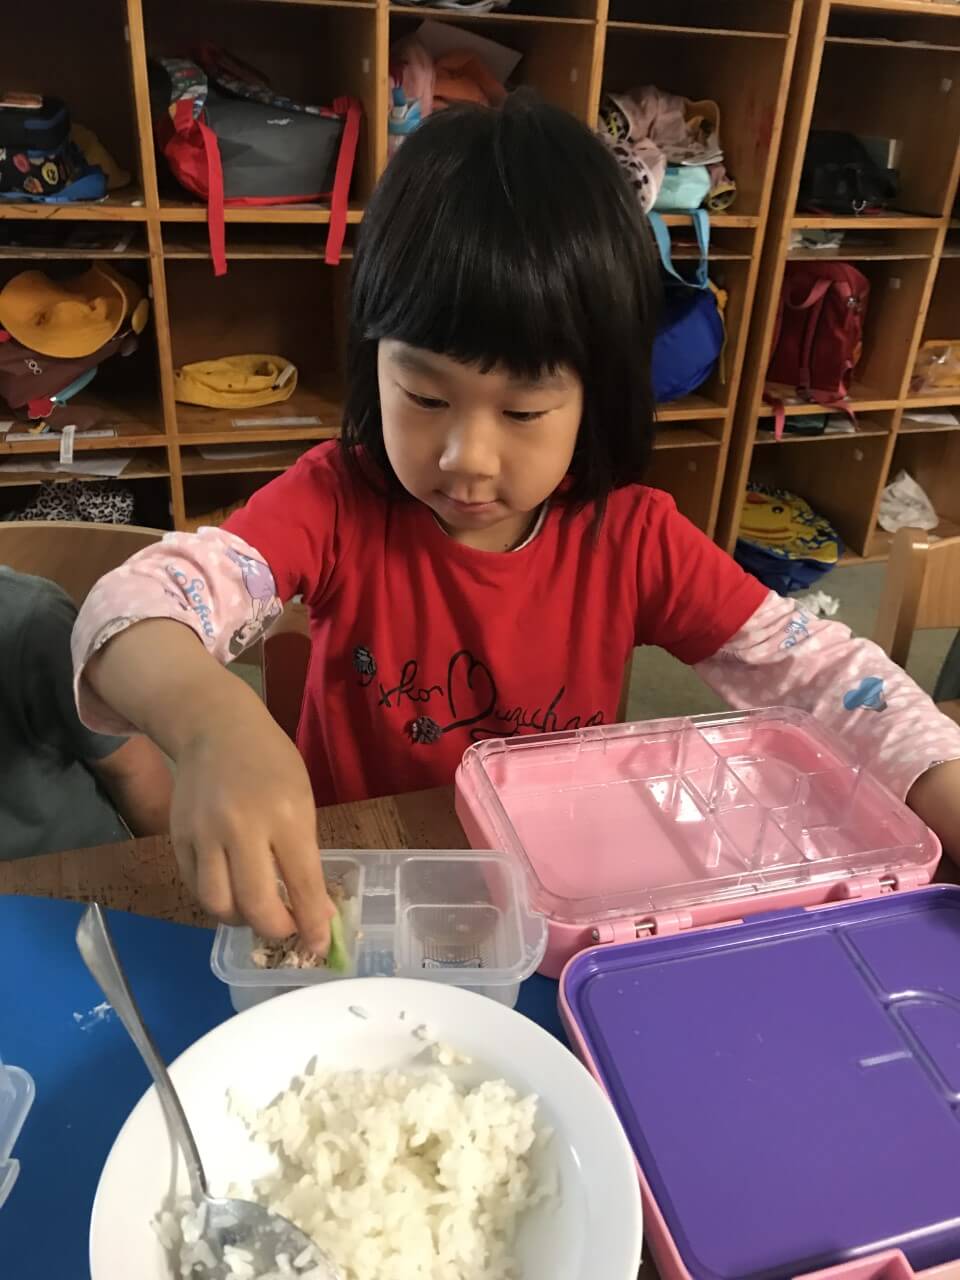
{"x":341,"y":181}
{"x":814,"y":296}
{"x":215,"y":220}
{"x":779,"y":415}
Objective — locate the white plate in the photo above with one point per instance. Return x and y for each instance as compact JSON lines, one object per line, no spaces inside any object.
{"x":595,"y":1230}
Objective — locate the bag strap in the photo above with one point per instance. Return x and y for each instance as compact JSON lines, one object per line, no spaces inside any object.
{"x":188,"y":85}
{"x":701,"y":225}
{"x":337,"y":230}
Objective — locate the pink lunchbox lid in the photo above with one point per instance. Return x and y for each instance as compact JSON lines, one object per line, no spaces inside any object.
{"x":716,"y":814}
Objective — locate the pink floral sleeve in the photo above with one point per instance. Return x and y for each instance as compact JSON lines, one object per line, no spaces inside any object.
{"x":212,"y":581}
{"x":785,"y":656}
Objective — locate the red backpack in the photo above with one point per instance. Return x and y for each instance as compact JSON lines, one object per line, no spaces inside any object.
{"x":230,"y":139}
{"x":819,"y":334}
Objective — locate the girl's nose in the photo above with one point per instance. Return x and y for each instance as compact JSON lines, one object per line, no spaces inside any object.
{"x":470,"y":450}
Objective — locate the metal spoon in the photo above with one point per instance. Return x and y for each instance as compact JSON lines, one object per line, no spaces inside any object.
{"x":225,"y":1223}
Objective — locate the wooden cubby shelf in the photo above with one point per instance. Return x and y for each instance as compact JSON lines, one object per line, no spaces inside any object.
{"x":879,"y":68}
{"x":194,"y":464}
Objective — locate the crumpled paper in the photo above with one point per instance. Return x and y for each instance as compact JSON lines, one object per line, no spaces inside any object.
{"x":904,"y":505}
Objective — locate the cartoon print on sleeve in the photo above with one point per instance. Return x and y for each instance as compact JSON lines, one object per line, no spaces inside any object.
{"x":868,"y":694}
{"x":257,"y":580}
{"x":260,"y":587}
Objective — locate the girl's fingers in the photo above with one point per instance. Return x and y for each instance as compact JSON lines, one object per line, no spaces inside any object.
{"x":214,"y":890}
{"x":302,"y":871}
{"x":256,"y":891}
{"x":186,"y":857}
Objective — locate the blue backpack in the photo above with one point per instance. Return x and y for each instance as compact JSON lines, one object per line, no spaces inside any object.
{"x":690,"y":335}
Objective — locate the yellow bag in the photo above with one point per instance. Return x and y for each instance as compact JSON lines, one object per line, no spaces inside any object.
{"x":236,"y":382}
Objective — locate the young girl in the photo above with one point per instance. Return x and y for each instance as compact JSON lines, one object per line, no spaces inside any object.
{"x":478,"y":556}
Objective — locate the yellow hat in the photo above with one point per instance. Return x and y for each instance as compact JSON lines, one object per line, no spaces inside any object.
{"x":236,"y":382}
{"x":70,"y":318}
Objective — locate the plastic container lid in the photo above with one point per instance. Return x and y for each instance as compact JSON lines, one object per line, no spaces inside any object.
{"x":790,"y":1085}
{"x":17,"y":1092}
{"x":458,"y":917}
{"x":629,"y":819}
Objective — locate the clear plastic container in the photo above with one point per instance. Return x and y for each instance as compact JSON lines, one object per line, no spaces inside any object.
{"x":461,"y":918}
{"x":672,"y":824}
{"x":16,"y":1098}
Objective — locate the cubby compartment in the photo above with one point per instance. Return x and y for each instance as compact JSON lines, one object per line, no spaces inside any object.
{"x":863,"y":243}
{"x":34,"y":240}
{"x":289,"y":308}
{"x":748,"y":17}
{"x":77,"y":53}
{"x":122,"y":401}
{"x":940,"y":385}
{"x":147,"y":480}
{"x":312,"y":54}
{"x":692,"y":477}
{"x":877,"y":89}
{"x":714,"y":397}
{"x":518,"y":11}
{"x":896,"y":297}
{"x":739,"y":73}
{"x":210,"y":499}
{"x":932,"y":458}
{"x":838,"y":475}
{"x":555,"y":56}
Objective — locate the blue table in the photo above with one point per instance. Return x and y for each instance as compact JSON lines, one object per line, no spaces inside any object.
{"x":88,"y":1074}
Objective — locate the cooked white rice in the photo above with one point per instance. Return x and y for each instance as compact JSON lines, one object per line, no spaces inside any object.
{"x":399,"y":1175}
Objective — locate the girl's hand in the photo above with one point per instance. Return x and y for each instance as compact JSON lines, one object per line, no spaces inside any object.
{"x":243,"y":815}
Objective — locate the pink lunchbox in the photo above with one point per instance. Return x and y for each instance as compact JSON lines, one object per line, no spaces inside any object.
{"x":634,"y":830}
{"x":776,"y":1022}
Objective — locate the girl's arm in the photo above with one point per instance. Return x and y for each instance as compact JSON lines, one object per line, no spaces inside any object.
{"x":148,"y":648}
{"x":783,"y":655}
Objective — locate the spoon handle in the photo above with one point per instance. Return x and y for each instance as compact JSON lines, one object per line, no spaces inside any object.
{"x":99,"y":955}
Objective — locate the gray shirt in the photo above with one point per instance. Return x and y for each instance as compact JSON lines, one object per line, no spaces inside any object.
{"x":49,"y":799}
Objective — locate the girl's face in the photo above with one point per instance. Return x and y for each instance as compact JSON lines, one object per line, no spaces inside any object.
{"x":482,"y":450}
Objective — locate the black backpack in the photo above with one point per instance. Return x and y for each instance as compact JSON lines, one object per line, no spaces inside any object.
{"x":840,"y":176}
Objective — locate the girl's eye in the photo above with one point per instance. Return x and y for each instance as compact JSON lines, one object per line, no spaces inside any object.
{"x":424,"y":402}
{"x":520,"y":416}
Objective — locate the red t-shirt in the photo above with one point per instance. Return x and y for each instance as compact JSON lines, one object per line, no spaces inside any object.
{"x":422,"y":646}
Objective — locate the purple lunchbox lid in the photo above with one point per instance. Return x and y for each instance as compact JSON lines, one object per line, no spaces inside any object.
{"x":790,"y":1086}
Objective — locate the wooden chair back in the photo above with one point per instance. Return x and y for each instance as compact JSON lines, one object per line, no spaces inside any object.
{"x":74,"y":556}
{"x":921,"y":591}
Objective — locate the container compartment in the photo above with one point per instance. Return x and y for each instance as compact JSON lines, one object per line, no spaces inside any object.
{"x":828,"y":1034}
{"x":17,"y":1092}
{"x":630,"y":819}
{"x":459,"y":918}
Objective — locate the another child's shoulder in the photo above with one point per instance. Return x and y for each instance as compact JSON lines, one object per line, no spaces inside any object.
{"x":32,"y":611}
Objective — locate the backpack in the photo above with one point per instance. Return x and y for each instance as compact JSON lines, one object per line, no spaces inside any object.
{"x":690,"y":335}
{"x":782,"y":541}
{"x":39,"y":162}
{"x":840,"y":176}
{"x":819,"y":334}
{"x":229,"y":139}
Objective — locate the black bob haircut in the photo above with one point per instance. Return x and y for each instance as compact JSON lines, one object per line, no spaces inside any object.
{"x":510,"y":238}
